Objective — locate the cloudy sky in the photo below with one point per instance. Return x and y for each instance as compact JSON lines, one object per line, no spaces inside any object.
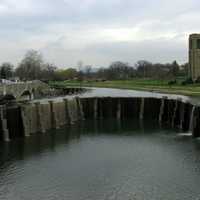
{"x":97,"y":32}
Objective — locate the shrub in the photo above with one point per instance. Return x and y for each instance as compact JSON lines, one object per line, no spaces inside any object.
{"x":187,"y":81}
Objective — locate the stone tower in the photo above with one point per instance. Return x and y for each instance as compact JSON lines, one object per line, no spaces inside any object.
{"x":194,"y":56}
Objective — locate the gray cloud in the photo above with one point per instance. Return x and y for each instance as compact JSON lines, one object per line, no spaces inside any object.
{"x":97,"y":31}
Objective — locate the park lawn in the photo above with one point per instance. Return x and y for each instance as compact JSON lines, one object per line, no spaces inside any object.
{"x":137,"y":84}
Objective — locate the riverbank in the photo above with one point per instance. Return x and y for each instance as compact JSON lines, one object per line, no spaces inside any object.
{"x":160,"y":86}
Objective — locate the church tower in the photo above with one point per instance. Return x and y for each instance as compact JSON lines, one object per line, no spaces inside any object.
{"x":194,"y":56}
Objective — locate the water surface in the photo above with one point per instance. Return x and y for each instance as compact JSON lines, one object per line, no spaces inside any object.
{"x":110,"y":92}
{"x":104,"y":160}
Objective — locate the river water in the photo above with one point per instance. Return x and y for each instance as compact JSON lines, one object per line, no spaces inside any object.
{"x":102,"y":160}
{"x":110,"y":92}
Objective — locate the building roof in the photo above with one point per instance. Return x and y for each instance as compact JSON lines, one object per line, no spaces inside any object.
{"x":195,"y":35}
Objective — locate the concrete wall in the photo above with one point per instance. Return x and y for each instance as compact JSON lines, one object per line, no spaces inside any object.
{"x":29,"y":118}
{"x":26,"y":119}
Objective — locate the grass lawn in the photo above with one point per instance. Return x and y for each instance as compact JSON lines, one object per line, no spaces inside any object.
{"x":137,"y":84}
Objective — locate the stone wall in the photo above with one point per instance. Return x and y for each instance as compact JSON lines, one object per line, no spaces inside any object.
{"x":25,"y":119}
{"x":18,"y":89}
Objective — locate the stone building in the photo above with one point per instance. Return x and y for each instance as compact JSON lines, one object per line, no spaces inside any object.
{"x":194,"y":56}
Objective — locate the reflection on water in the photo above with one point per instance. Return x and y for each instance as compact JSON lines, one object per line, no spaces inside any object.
{"x":102,"y":160}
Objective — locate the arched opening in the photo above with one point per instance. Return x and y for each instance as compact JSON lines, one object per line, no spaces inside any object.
{"x":26,"y":95}
{"x":8,"y":97}
{"x":33,"y":93}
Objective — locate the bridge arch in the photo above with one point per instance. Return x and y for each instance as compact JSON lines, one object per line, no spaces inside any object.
{"x":33,"y":93}
{"x":26,"y":95}
{"x":26,"y":90}
{"x":8,"y":97}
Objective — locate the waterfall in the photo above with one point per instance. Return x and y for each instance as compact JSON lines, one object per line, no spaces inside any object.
{"x":142,"y":109}
{"x":182,"y":113}
{"x":40,"y":119}
{"x":174,"y":113}
{"x":100,"y":109}
{"x":80,"y":109}
{"x":25,"y":112}
{"x":95,"y":108}
{"x":4,"y":90}
{"x":73,"y":110}
{"x":54,"y":119}
{"x":46,"y":115}
{"x":32,"y":118}
{"x":192,"y":119}
{"x":162,"y":106}
{"x":119,"y":109}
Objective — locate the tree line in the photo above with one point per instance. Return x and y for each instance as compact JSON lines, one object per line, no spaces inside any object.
{"x":32,"y":67}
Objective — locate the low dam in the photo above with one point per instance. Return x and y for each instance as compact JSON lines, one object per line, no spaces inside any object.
{"x":104,"y":144}
{"x":22,"y":120}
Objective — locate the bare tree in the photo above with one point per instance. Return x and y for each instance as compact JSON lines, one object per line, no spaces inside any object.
{"x":6,"y":70}
{"x":119,"y":70}
{"x":48,"y":72}
{"x":143,"y":67}
{"x":88,"y":71}
{"x":31,"y":66}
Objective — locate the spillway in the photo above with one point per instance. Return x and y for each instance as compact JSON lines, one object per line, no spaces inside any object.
{"x":25,"y":119}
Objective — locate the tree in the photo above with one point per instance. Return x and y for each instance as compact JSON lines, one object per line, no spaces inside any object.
{"x":31,"y":66}
{"x":48,"y":72}
{"x":88,"y":70}
{"x":6,"y":70}
{"x":70,"y":73}
{"x":66,"y":74}
{"x":174,"y":68}
{"x":143,"y":68}
{"x":119,"y":70}
{"x":185,"y":69}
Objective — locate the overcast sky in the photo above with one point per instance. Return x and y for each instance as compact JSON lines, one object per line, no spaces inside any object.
{"x":97,"y":31}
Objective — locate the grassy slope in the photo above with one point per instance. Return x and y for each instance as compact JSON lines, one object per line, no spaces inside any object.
{"x":139,"y":84}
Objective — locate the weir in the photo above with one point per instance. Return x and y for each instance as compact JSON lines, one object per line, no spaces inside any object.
{"x":182,"y":114}
{"x":95,"y":108}
{"x":73,"y":110}
{"x":119,"y":109}
{"x":142,"y":109}
{"x":22,"y":120}
{"x":175,"y":113}
{"x":192,"y":119}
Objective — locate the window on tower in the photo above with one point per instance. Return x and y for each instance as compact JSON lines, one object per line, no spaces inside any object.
{"x":198,"y":43}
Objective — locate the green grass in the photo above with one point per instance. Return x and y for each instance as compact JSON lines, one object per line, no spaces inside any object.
{"x":138,"y":84}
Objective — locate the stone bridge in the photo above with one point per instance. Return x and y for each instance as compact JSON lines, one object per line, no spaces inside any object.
{"x":22,"y":90}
